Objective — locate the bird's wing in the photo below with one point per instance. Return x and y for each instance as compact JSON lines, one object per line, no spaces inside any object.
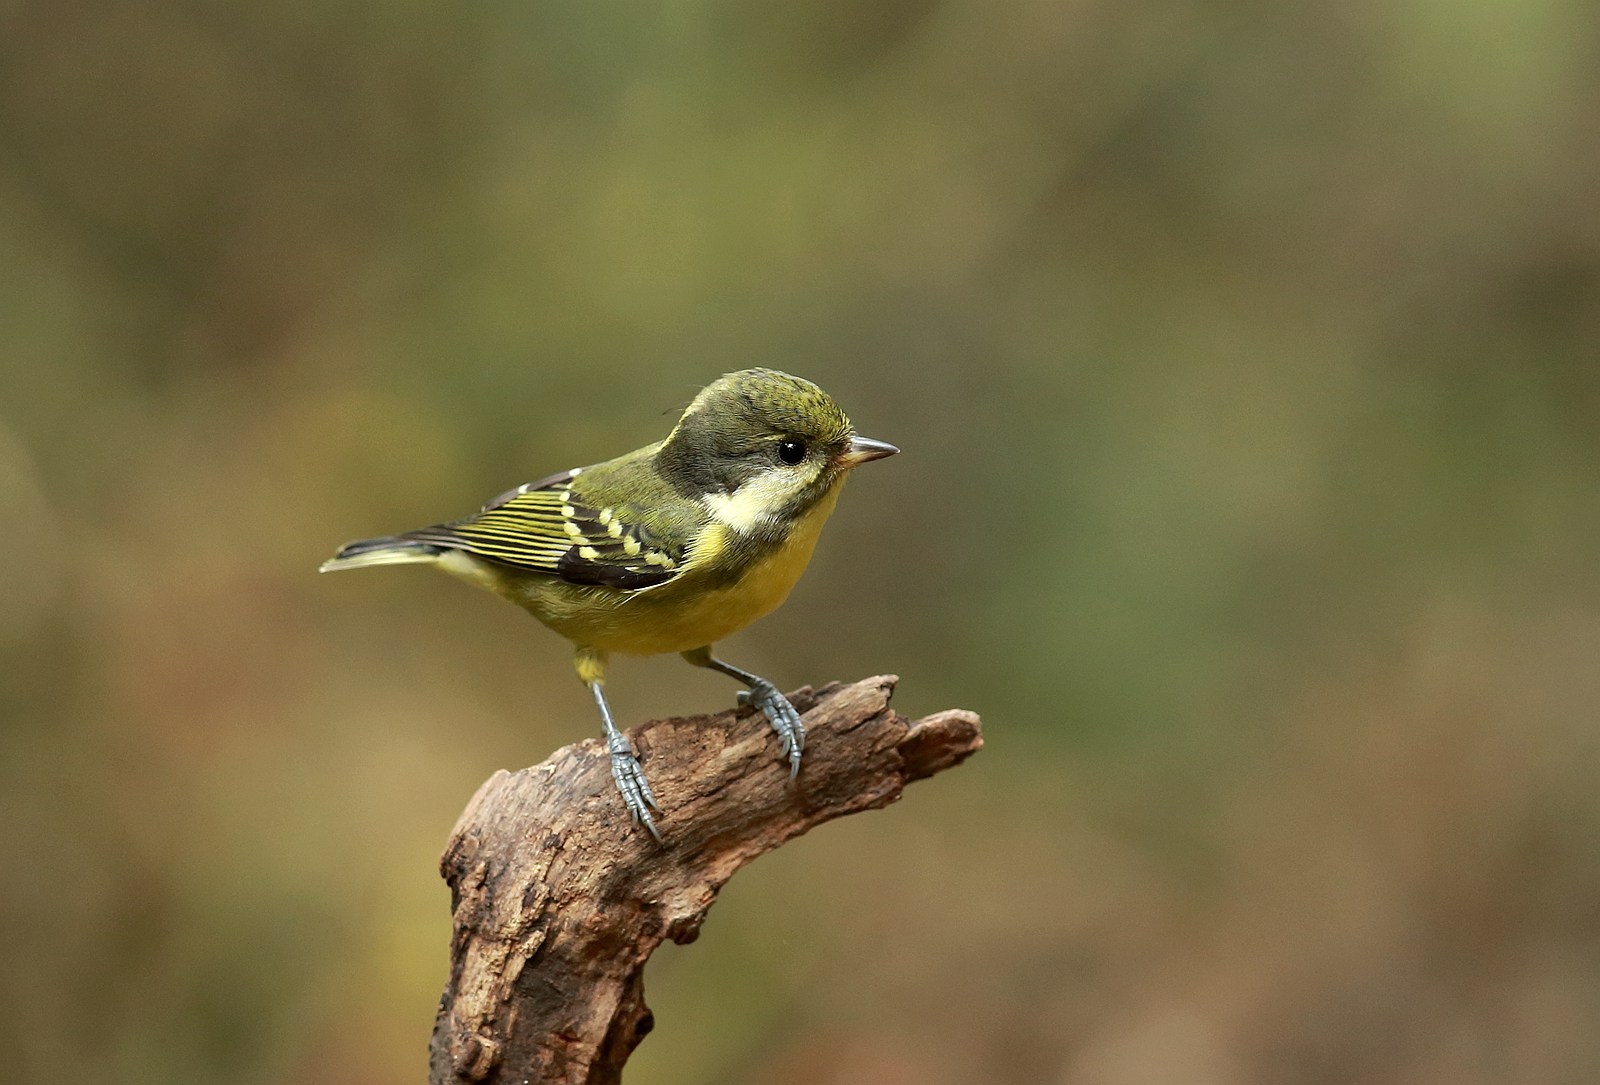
{"x":554,"y":526}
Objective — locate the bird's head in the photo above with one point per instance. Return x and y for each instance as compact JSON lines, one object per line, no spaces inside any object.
{"x":759,"y":448}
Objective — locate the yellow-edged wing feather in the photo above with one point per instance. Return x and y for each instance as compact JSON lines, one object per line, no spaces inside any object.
{"x":551,"y":526}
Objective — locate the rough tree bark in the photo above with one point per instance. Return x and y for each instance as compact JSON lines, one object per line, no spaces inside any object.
{"x":559,"y":899}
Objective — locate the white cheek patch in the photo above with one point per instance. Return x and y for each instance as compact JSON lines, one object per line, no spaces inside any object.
{"x":756,"y":505}
{"x":739,"y":510}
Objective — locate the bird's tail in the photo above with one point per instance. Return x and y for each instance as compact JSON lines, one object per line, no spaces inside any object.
{"x":390,"y":550}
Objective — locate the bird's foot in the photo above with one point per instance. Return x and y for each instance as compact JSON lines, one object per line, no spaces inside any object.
{"x":783,"y":717}
{"x":635,"y":789}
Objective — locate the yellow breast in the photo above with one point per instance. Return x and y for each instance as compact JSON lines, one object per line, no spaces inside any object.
{"x":686,"y":612}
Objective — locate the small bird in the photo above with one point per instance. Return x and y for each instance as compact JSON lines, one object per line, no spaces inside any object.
{"x":669,"y":548}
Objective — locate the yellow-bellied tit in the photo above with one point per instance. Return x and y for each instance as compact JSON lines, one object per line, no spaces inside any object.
{"x":667,"y":549}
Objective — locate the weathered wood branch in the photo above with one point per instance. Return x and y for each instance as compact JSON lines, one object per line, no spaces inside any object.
{"x":559,"y":899}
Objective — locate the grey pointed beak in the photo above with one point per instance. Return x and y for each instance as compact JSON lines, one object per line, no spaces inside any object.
{"x":863,"y":449}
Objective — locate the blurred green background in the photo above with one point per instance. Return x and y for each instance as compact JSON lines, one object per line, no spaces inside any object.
{"x":1246,"y":359}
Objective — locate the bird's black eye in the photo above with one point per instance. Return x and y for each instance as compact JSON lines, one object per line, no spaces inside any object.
{"x":791,"y":452}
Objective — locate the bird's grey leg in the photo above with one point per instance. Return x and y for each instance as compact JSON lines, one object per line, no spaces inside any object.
{"x":625,"y":768}
{"x":765,"y":696}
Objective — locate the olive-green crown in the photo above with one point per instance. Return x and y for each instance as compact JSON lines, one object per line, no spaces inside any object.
{"x":741,"y":413}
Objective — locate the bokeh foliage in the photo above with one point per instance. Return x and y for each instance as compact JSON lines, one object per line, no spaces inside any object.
{"x":1245,"y":360}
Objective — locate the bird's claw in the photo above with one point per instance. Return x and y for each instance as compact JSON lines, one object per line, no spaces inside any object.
{"x":783,"y":717}
{"x":635,"y":789}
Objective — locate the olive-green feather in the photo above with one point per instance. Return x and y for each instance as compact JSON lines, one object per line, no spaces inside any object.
{"x":564,"y":526}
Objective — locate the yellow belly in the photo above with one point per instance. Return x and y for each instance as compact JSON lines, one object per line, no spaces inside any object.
{"x":684,"y":612}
